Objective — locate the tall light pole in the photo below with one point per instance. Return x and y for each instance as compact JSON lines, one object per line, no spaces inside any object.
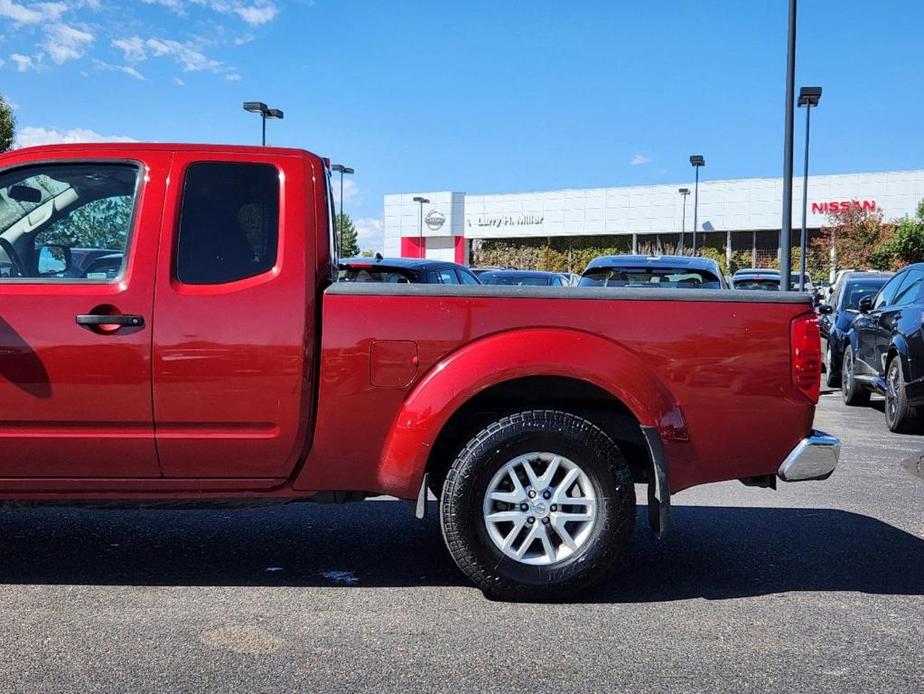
{"x":808,"y":97}
{"x":696,"y":161}
{"x":265,"y":113}
{"x":786,"y":228}
{"x":685,"y":192}
{"x":341,"y":169}
{"x":422,"y":201}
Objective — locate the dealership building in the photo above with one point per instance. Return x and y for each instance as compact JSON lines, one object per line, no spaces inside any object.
{"x":739,"y":216}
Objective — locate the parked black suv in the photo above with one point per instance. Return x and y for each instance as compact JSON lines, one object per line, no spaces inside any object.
{"x":836,"y":317}
{"x":404,"y":270}
{"x":885,"y":351}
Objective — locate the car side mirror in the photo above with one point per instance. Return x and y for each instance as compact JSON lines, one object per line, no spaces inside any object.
{"x":866,"y":304}
{"x":53,"y":259}
{"x":825,"y":309}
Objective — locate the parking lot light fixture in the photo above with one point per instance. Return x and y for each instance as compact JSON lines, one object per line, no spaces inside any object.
{"x":341,"y":169}
{"x":422,"y":201}
{"x":809,"y":98}
{"x":265,"y":113}
{"x":685,"y":192}
{"x":696,"y":161}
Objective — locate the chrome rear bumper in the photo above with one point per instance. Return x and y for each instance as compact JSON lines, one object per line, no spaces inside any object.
{"x":814,"y":458}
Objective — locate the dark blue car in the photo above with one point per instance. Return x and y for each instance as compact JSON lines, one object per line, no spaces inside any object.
{"x":885,"y":350}
{"x":836,"y":317}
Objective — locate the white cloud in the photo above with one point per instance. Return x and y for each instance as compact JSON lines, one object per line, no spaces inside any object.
{"x":350,"y":189}
{"x":63,"y":42}
{"x":233,"y":77}
{"x":187,"y":55}
{"x":30,"y":136}
{"x":24,"y":63}
{"x":180,"y":83}
{"x":36,"y":13}
{"x":126,"y":69}
{"x":254,"y":12}
{"x":133,"y":48}
{"x":370,"y":232}
{"x":640,"y":159}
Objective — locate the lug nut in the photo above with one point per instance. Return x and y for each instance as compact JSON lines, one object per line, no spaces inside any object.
{"x":546,"y":494}
{"x":530,"y":520}
{"x":524,"y":507}
{"x":545,"y":520}
{"x":532,"y":493}
{"x":553,"y":507}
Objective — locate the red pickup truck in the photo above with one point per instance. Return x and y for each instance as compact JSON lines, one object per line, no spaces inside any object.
{"x":170,"y":333}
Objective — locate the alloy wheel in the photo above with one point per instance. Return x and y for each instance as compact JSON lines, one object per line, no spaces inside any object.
{"x":540,"y":508}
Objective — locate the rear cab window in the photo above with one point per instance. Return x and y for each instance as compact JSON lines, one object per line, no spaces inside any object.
{"x":229,"y":222}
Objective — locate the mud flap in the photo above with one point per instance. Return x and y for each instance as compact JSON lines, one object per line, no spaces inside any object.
{"x":659,"y":489}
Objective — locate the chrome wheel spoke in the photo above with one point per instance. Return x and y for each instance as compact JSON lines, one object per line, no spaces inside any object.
{"x":558,"y":524}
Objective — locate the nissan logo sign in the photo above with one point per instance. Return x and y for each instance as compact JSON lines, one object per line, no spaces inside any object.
{"x":435,"y":220}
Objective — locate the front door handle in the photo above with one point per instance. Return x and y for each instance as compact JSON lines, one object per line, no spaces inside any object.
{"x":95,"y":319}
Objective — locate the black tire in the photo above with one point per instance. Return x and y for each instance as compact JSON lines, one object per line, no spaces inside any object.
{"x":853,"y":392}
{"x":901,"y":417}
{"x":832,"y":373}
{"x":461,"y":505}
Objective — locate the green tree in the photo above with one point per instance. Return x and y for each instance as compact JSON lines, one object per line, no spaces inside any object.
{"x":101,"y":223}
{"x":861,"y":239}
{"x":907,"y":245}
{"x":7,"y":126}
{"x":349,"y":246}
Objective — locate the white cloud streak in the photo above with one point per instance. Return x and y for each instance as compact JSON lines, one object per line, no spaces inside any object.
{"x":30,"y":136}
{"x":370,"y":233}
{"x":64,"y":43}
{"x":35,"y":13}
{"x":639,"y":160}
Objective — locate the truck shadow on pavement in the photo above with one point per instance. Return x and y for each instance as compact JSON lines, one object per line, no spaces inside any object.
{"x":711,"y":552}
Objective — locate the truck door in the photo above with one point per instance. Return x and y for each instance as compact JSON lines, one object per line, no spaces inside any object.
{"x":235,"y":309}
{"x":78,"y":241}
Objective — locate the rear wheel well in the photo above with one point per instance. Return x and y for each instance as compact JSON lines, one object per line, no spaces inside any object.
{"x":541,"y":392}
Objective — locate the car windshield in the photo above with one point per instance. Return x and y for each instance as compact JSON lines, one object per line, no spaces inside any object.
{"x":373,"y":274}
{"x":855,"y":291}
{"x":664,"y":277}
{"x":513,"y":280}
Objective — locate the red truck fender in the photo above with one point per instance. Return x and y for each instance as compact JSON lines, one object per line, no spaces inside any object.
{"x":507,"y":356}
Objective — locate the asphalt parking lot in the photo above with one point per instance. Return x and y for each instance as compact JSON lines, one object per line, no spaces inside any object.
{"x":814,"y":587}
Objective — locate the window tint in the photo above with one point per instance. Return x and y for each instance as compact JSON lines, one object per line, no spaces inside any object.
{"x":467,"y":277}
{"x":57,"y":221}
{"x":229,"y":223}
{"x":887,"y":295}
{"x":910,"y":289}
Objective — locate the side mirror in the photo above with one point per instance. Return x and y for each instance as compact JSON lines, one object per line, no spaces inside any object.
{"x":866,"y":304}
{"x":53,"y":260}
{"x":825,"y":309}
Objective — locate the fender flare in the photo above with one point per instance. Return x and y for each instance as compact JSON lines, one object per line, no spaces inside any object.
{"x":511,"y":355}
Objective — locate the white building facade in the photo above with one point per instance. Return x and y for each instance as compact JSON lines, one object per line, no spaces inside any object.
{"x":734,"y":214}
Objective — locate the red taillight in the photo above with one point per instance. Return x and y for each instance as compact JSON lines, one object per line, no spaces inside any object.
{"x":805,"y":353}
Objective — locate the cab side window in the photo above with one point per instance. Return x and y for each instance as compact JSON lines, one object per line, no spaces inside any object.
{"x":66,"y":222}
{"x":229,"y":222}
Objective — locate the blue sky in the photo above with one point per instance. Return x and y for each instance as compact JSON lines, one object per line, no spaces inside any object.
{"x":476,"y":96}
